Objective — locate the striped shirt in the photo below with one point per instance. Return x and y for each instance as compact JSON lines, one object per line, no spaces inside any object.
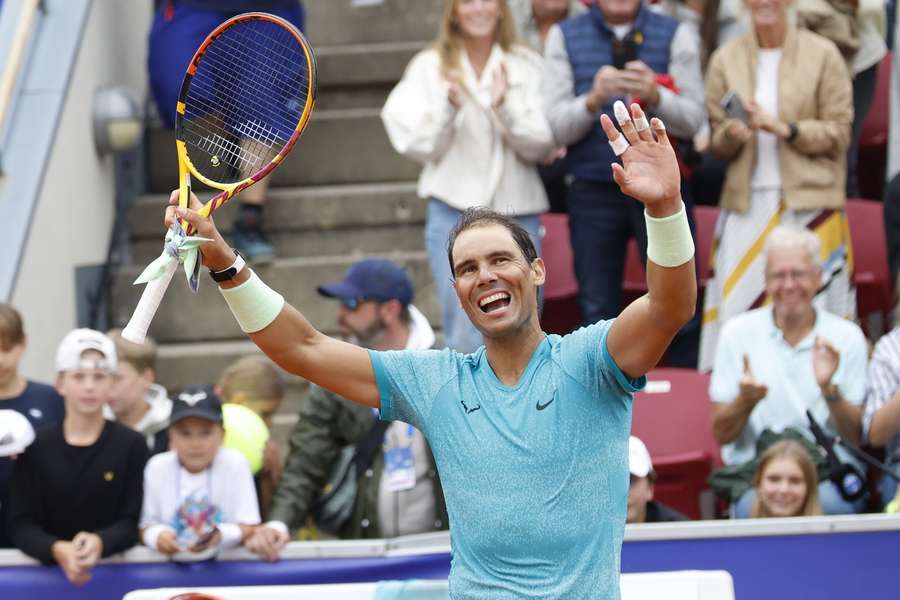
{"x":884,"y":380}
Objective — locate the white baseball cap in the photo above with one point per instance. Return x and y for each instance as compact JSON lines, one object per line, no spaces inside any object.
{"x":16,"y":433}
{"x":76,"y":342}
{"x":639,"y":462}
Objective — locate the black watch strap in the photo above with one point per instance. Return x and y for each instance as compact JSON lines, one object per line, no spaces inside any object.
{"x":230,"y":272}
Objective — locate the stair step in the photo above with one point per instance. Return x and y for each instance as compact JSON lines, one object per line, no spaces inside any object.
{"x":309,"y":208}
{"x":361,"y":75}
{"x":338,"y":146}
{"x":184,"y":317}
{"x":340,"y":22}
{"x":354,"y":220}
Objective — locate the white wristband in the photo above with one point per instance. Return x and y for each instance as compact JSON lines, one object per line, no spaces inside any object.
{"x":254,"y":304}
{"x":669,"y":241}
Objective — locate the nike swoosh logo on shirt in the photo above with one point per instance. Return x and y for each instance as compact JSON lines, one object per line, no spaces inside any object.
{"x":540,"y":406}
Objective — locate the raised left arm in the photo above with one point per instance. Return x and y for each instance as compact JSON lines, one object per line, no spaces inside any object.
{"x":649,"y":173}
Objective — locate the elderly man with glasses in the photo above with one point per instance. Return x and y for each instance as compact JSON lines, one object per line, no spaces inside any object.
{"x":775,"y":363}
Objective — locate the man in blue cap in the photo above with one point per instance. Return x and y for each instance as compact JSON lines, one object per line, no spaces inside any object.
{"x":398,"y":492}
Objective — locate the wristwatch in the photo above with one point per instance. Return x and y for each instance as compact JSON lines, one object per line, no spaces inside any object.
{"x":831,"y":393}
{"x":230,"y":272}
{"x":792,"y":132}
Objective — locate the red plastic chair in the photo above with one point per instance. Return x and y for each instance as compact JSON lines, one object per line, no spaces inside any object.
{"x":870,"y":168}
{"x":871,"y":274}
{"x":561,"y":313}
{"x":673,"y":417}
{"x":705,"y":218}
{"x":634,"y":276}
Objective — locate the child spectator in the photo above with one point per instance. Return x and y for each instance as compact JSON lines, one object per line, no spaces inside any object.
{"x":76,"y":491}
{"x":137,"y":401}
{"x":38,"y":402}
{"x":199,"y":496}
{"x":786,"y":483}
{"x":254,"y":382}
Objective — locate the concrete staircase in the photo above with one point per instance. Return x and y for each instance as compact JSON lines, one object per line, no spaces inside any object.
{"x":343,"y":193}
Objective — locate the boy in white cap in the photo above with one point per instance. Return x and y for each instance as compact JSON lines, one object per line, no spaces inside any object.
{"x":76,"y":491}
{"x":641,"y":506}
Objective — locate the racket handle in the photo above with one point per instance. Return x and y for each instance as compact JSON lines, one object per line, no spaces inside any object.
{"x":136,"y":330}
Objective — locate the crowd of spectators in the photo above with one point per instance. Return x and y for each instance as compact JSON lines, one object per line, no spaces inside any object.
{"x":502,"y":110}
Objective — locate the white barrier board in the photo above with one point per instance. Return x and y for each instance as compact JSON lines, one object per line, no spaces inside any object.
{"x":674,"y":585}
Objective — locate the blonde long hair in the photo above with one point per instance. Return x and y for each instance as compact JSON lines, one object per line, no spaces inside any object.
{"x":792,"y":450}
{"x":449,"y":42}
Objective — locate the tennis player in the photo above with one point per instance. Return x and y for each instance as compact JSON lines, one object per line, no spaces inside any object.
{"x":530,"y":432}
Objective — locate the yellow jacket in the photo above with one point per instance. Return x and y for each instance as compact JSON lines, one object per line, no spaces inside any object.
{"x":814,"y":92}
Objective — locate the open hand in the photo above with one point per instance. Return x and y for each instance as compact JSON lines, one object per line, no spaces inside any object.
{"x":750,"y":389}
{"x":825,"y":359}
{"x":499,"y":86}
{"x":649,"y":170}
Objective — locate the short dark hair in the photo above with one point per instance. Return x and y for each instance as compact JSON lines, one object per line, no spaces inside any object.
{"x":480,"y":216}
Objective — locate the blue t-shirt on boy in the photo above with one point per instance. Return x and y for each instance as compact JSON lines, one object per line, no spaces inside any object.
{"x":535,"y":474}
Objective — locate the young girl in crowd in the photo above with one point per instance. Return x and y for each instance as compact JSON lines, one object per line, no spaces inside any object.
{"x":785,"y":482}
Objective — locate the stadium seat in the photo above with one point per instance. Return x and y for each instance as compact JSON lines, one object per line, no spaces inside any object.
{"x":870,"y":169}
{"x":634,"y":277}
{"x":673,"y":416}
{"x":705,"y":218}
{"x":561,"y":313}
{"x":871,"y":273}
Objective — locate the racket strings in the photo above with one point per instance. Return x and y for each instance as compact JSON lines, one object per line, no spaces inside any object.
{"x":245,"y":100}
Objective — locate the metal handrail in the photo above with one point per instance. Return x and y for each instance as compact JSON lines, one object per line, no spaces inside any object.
{"x":16,"y":56}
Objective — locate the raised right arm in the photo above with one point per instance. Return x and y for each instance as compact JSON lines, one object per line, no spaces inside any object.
{"x":284,"y":334}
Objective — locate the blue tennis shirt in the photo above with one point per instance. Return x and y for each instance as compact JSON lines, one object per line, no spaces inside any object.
{"x":535,"y":475}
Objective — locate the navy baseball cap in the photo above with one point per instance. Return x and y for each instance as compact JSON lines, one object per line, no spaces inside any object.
{"x":197,"y":401}
{"x":371,"y":279}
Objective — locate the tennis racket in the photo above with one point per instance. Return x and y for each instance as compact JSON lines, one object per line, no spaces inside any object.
{"x":247,"y":96}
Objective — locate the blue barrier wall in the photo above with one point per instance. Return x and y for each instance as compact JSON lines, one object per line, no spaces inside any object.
{"x":812,"y":559}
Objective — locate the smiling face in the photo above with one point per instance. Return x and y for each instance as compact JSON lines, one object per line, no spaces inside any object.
{"x":782,"y":488}
{"x":494,"y":282}
{"x":792,"y":279}
{"x":619,"y":12}
{"x":196,"y":442}
{"x":768,"y":13}
{"x":477,"y":19}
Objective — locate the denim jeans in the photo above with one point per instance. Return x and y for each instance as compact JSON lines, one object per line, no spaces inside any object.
{"x":459,"y":333}
{"x":601,"y":221}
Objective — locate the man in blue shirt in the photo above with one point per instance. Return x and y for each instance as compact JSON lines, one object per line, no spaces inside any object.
{"x":530,"y":432}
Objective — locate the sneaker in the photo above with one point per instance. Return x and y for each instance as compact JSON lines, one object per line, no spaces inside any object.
{"x":252,"y":244}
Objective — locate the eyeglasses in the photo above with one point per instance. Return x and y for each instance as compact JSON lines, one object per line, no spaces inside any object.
{"x":795,"y":274}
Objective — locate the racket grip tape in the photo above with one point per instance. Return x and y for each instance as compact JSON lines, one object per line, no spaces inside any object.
{"x":136,"y":330}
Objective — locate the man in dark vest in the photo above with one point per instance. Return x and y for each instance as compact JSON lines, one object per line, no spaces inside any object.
{"x":618,"y":50}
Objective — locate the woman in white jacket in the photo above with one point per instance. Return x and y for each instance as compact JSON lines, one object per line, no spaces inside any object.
{"x":468,"y":108}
